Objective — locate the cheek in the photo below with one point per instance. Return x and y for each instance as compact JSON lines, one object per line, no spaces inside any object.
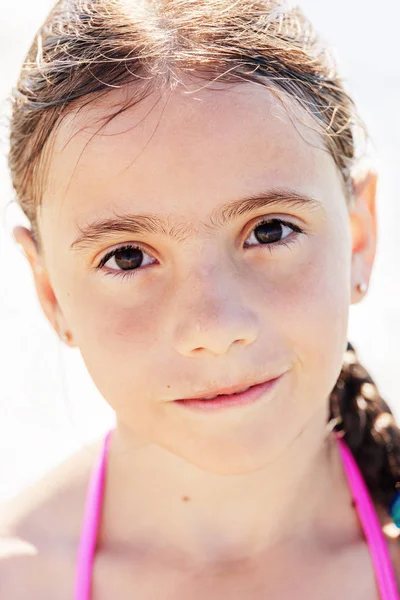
{"x":315,"y":311}
{"x":121,"y":335}
{"x":111,"y":316}
{"x":309,"y":288}
{"x":119,"y":339}
{"x":122,"y":351}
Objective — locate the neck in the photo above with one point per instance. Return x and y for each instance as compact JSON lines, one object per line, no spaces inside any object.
{"x":157,"y":502}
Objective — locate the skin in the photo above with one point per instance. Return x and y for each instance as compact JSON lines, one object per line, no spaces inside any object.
{"x":244,"y":488}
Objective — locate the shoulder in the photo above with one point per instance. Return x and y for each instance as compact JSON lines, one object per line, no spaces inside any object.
{"x":39,"y":532}
{"x":25,"y":572}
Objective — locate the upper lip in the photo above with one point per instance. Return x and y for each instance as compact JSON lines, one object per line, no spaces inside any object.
{"x":229,"y":390}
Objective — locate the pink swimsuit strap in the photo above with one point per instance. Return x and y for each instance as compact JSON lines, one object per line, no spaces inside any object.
{"x":384,"y":572}
{"x":383,"y":567}
{"x":91,"y":519}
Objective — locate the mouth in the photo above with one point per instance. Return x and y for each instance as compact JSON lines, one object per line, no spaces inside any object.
{"x":228,"y":391}
{"x":234,"y":397}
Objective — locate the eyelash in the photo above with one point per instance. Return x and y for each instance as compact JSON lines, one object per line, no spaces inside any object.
{"x":271,"y":247}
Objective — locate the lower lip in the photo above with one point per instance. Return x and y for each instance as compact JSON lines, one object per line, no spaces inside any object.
{"x":250,"y":396}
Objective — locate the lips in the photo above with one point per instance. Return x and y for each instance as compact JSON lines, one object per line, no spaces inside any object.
{"x":216,"y":395}
{"x":228,"y":391}
{"x":221,"y":402}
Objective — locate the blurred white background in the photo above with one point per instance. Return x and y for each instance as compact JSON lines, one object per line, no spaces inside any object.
{"x":48,"y":404}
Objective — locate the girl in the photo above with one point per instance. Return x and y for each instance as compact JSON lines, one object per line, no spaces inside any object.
{"x":199,"y":230}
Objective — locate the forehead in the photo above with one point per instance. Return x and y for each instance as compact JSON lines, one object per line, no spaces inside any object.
{"x":176,"y":151}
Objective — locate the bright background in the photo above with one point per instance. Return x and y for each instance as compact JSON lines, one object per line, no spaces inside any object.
{"x":49,"y":406}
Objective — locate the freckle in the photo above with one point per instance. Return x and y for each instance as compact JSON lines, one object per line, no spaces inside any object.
{"x":168,"y":386}
{"x":185,"y":498}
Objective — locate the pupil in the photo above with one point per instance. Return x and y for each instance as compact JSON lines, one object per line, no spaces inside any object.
{"x":269,"y":232}
{"x":128,"y":258}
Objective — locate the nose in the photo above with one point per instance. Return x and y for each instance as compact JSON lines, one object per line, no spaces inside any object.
{"x":213,"y":315}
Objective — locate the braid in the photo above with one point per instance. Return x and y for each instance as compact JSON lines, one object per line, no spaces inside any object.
{"x":368,"y":427}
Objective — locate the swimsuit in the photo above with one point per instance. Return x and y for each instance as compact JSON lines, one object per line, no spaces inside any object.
{"x":384,"y":572}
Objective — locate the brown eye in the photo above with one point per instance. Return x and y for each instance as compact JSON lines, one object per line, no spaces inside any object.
{"x":272,"y":231}
{"x":126,"y":258}
{"x":269,"y":232}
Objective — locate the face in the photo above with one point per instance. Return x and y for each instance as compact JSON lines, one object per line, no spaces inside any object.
{"x":208,"y":298}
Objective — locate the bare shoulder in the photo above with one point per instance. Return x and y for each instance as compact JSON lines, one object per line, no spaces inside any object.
{"x":39,"y":532}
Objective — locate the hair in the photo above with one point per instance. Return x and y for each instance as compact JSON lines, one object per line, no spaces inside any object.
{"x":86,"y":48}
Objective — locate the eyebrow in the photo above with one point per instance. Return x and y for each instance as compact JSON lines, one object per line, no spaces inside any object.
{"x":142,"y":224}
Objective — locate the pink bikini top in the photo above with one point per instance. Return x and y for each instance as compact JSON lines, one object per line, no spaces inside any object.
{"x":385,"y":576}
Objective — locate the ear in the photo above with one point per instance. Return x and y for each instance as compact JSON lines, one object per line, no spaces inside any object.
{"x":44,"y":289}
{"x":363,"y":223}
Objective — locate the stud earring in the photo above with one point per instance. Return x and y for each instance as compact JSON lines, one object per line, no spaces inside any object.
{"x":362,"y":287}
{"x":65,"y":337}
